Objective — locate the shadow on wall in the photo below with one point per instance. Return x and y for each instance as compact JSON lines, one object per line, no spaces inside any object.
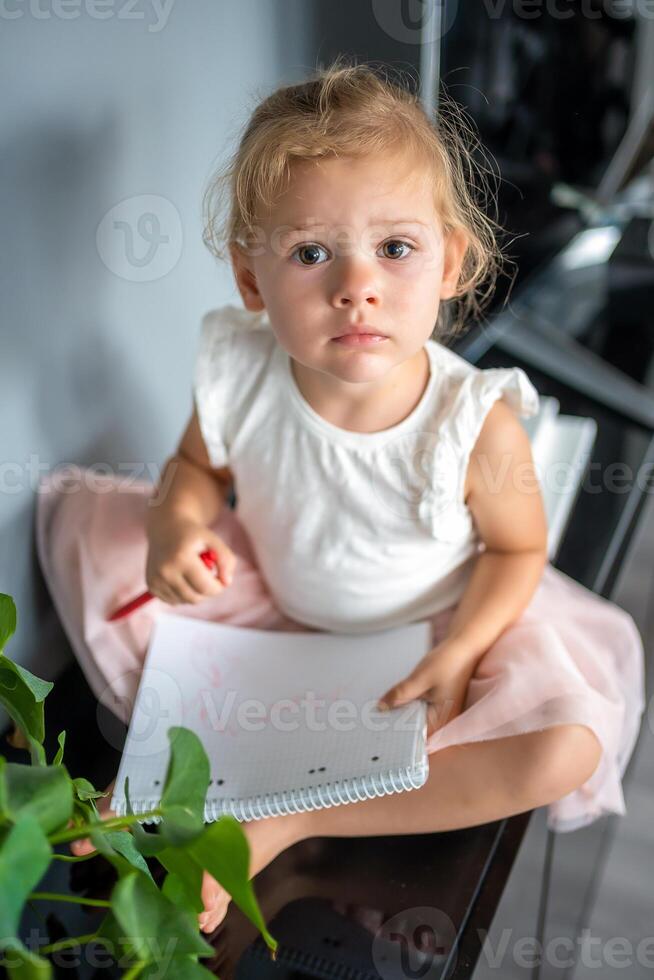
{"x":70,"y":393}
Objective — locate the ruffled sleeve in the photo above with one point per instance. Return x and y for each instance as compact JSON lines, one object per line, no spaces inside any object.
{"x":482,"y":390}
{"x":474,"y":395}
{"x":211,"y":382}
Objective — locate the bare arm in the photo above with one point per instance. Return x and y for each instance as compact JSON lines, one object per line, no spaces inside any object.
{"x":188,"y":499}
{"x":509,"y":514}
{"x":189,"y":485}
{"x":511,"y":521}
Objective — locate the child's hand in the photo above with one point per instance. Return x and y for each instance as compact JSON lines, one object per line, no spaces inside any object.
{"x":441,"y":679}
{"x":174,"y":570}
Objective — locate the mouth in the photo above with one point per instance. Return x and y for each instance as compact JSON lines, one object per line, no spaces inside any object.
{"x":364,"y":334}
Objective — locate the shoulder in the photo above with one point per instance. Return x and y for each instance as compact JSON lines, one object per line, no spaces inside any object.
{"x":232,"y":359}
{"x":480,"y":411}
{"x":231,"y":336}
{"x":231,"y":323}
{"x":474,"y":390}
{"x":502,"y":486}
{"x":501,"y":446}
{"x":500,"y":431}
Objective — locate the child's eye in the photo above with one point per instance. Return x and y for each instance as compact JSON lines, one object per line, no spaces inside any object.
{"x":312,"y":251}
{"x":397,"y":241}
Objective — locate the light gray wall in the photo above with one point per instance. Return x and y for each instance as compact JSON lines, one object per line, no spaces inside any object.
{"x":94,"y":366}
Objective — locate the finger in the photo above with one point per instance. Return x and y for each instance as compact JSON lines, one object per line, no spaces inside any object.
{"x":201,"y":580}
{"x":185,"y":591}
{"x":177,"y":590}
{"x":82,"y":846}
{"x":226,"y":558}
{"x":411,"y":687}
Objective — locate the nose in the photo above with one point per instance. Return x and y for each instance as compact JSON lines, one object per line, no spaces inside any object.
{"x":354,"y":284}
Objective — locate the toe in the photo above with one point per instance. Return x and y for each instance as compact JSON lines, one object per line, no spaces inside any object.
{"x":210,"y":920}
{"x":215,"y":900}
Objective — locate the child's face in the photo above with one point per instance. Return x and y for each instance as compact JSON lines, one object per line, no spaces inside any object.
{"x":375,"y":254}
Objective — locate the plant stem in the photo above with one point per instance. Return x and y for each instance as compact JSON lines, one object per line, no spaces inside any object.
{"x":134,"y":971}
{"x":69,"y":941}
{"x":101,"y":903}
{"x":114,"y":823}
{"x":75,"y":860}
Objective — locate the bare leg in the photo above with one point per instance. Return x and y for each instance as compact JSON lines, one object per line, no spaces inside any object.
{"x":468,"y":785}
{"x":271,"y":837}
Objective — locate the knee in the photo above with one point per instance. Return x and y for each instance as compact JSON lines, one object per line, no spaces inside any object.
{"x":568,"y":756}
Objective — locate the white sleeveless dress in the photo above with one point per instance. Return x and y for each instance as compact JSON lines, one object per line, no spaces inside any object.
{"x":350,"y":532}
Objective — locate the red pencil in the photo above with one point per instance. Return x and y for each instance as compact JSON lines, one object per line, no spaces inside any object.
{"x":210,"y":559}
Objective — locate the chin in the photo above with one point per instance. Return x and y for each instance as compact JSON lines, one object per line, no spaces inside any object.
{"x":359,"y":366}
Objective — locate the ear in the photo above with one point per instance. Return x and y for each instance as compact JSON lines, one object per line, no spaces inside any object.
{"x":455,"y":247}
{"x":246,"y":280}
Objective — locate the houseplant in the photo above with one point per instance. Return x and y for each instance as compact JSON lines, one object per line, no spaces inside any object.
{"x":42,"y":807}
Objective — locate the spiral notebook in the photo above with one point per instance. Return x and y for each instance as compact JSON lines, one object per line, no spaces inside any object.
{"x":288,"y":719}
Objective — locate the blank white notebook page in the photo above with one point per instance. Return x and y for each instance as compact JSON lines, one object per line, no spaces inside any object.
{"x":276,"y":711}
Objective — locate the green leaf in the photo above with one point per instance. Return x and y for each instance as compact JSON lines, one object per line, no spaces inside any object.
{"x":123,"y":843}
{"x":177,"y":968}
{"x":179,"y":826}
{"x":59,"y":757}
{"x":45,"y":792}
{"x":147,"y":844}
{"x":24,"y":858}
{"x":21,"y":964}
{"x":187,"y":871}
{"x":117,"y":846}
{"x":150,"y":919}
{"x":84,"y":790}
{"x":7,"y":618}
{"x":224,"y":851}
{"x":185,"y":788}
{"x":22,"y":694}
{"x":112,"y":936}
{"x":87,"y":811}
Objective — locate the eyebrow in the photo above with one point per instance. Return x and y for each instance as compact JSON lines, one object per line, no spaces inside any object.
{"x":307,"y":225}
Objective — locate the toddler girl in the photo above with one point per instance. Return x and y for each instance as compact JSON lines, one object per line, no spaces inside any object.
{"x":380,"y":478}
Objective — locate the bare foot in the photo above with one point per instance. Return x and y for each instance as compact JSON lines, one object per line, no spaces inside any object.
{"x":267,"y":838}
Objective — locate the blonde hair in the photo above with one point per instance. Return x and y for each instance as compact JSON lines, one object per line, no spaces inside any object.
{"x":351,"y":110}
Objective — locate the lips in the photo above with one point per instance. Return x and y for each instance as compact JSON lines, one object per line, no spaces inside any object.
{"x":366,"y":330}
{"x":359,"y":339}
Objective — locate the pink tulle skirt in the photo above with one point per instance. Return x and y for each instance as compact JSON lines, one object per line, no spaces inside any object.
{"x":572,"y":656}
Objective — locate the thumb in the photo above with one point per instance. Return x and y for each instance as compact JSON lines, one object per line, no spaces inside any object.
{"x":224,"y":554}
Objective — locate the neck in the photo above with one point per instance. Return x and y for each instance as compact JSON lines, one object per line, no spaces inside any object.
{"x":369,"y":407}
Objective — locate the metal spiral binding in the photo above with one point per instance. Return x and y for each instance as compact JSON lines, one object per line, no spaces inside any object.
{"x":347,"y":791}
{"x":281,"y":804}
